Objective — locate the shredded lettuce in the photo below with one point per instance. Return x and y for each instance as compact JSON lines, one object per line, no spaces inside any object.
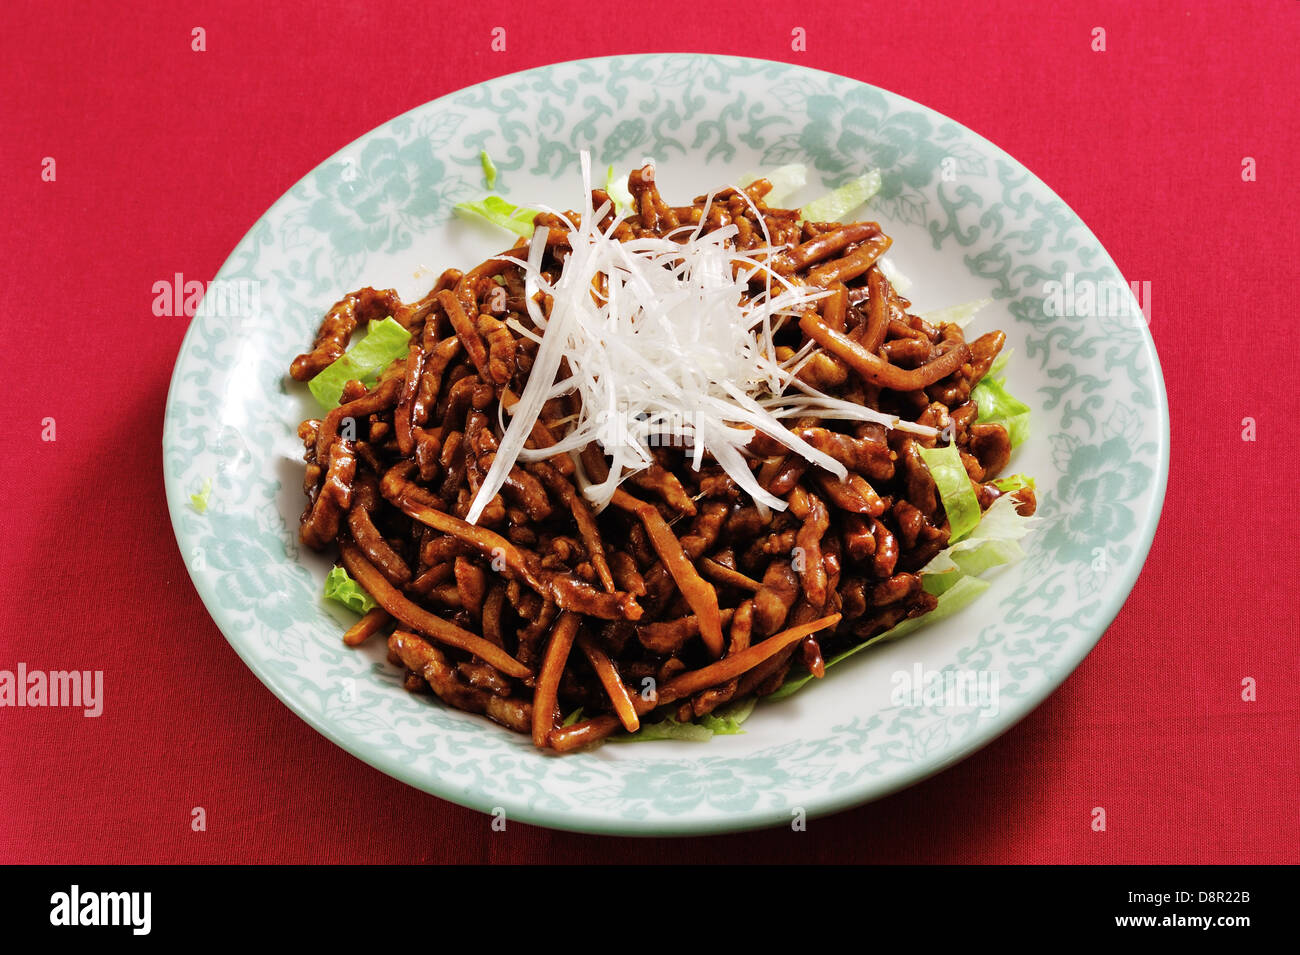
{"x":1013,"y":483}
{"x":897,"y":279}
{"x":494,"y":209}
{"x":724,"y":721}
{"x":959,"y":315}
{"x":384,"y":342}
{"x":950,"y":477}
{"x":838,"y":203}
{"x":998,"y":406}
{"x":341,"y":587}
{"x":1000,"y":363}
{"x":952,"y":600}
{"x":785,"y":180}
{"x":996,"y":541}
{"x":972,"y":563}
{"x":666,"y":729}
{"x":489,"y":169}
{"x":200,"y":501}
{"x":616,"y":188}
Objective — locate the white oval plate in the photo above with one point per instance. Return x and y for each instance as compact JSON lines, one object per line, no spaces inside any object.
{"x":968,"y":222}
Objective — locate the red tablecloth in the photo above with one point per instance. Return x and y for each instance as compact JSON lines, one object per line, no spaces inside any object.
{"x":166,"y":156}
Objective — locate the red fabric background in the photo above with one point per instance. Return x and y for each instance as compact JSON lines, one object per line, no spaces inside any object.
{"x":165,"y":158}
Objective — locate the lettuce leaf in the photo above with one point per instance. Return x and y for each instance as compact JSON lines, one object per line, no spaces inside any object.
{"x":616,"y":188}
{"x":955,"y":598}
{"x":996,"y":541}
{"x":838,"y":203}
{"x":1013,"y":483}
{"x":950,"y":477}
{"x":489,"y":169}
{"x":959,"y":315}
{"x":897,"y":279}
{"x":494,"y":209}
{"x":724,"y":721}
{"x":785,"y":180}
{"x":666,"y":729}
{"x":971,"y":563}
{"x":384,"y":342}
{"x":341,"y":587}
{"x":998,"y":406}
{"x":200,"y":501}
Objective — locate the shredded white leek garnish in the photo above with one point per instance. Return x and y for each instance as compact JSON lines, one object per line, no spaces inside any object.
{"x":666,"y":344}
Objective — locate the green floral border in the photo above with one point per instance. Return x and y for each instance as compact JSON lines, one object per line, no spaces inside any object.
{"x":1100,"y":407}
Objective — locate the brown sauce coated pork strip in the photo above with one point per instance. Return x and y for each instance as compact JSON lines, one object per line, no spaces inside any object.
{"x":546,"y":605}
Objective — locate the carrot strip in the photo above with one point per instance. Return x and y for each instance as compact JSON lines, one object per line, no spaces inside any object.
{"x":609,"y":678}
{"x":367,"y":627}
{"x":731,"y":667}
{"x":545,"y":697}
{"x":417,"y":503}
{"x":377,"y":585}
{"x":699,"y":594}
{"x":568,"y":738}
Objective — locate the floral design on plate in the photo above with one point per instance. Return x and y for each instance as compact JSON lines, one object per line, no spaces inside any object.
{"x":968,"y":222}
